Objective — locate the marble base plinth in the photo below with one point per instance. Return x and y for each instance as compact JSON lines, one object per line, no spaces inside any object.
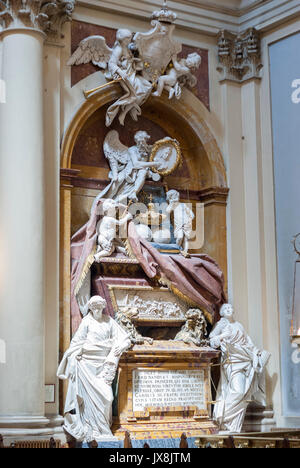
{"x":14,"y":429}
{"x":259,"y":419}
{"x":165,"y":390}
{"x":170,"y":430}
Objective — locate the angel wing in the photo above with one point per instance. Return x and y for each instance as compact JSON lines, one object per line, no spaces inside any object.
{"x":92,"y":49}
{"x":114,"y":150}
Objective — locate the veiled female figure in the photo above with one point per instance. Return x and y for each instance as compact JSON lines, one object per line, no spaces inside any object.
{"x":242,"y":372}
{"x":90,"y":364}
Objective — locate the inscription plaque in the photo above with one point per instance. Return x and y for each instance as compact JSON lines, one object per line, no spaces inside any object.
{"x":168,"y":388}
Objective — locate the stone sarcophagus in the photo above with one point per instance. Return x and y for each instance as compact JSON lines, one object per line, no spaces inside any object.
{"x":165,"y":390}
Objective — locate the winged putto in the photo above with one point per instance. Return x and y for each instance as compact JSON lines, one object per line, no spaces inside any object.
{"x":143,"y":63}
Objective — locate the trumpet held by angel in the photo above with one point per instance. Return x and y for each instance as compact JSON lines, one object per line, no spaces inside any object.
{"x":127,"y":62}
{"x":120,"y":64}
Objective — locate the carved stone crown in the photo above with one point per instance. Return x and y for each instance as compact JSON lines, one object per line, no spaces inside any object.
{"x":164,"y":15}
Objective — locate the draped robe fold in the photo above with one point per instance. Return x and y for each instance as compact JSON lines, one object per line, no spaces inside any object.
{"x":88,"y":406}
{"x":198,"y":279}
{"x":242,"y":376}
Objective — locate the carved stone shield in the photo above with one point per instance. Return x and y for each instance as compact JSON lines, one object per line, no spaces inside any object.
{"x":156,"y":49}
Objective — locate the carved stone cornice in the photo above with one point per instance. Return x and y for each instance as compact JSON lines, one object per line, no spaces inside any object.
{"x":239,"y":55}
{"x":47,"y":16}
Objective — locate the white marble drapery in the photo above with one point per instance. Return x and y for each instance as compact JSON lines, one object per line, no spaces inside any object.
{"x":242,"y":374}
{"x":90,"y":364}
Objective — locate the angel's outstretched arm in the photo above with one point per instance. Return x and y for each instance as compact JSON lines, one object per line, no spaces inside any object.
{"x":122,"y":221}
{"x":113,"y":64}
{"x":137,"y":164}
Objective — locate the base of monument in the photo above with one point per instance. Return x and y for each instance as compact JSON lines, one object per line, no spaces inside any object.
{"x":170,"y":430}
{"x":164,"y":391}
{"x":259,"y":419}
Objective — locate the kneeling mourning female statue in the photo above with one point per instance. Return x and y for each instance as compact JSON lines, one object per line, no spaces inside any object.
{"x":242,"y":372}
{"x":90,"y":365}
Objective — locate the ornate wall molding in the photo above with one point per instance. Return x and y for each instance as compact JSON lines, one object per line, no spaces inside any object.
{"x":47,"y":16}
{"x":204,"y":16}
{"x":239,"y":55}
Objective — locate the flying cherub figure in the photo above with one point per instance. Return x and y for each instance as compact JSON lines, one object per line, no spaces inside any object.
{"x":178,"y":76}
{"x":119,"y":63}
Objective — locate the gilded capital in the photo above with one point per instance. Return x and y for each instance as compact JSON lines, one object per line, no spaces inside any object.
{"x":239,"y":55}
{"x":43,"y":15}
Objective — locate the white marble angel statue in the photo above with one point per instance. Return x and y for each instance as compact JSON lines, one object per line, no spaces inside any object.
{"x":242,"y":372}
{"x":183,"y":220}
{"x":90,"y":365}
{"x":107,"y":239}
{"x":137,"y":61}
{"x":179,"y":75}
{"x":130,"y":167}
{"x":119,"y":64}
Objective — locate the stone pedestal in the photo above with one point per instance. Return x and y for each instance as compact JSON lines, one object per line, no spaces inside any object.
{"x":165,"y":390}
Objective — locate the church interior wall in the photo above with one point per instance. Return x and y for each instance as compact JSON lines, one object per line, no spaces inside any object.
{"x":228,"y":104}
{"x":279,"y":344}
{"x":239,"y":118}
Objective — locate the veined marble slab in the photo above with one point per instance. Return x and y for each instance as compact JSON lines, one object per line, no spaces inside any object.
{"x":168,"y":388}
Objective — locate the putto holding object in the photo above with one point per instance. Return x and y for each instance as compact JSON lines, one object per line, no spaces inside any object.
{"x":108,"y":241}
{"x":179,"y":75}
{"x":183,"y":220}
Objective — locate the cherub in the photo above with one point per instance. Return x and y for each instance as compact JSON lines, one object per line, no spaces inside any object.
{"x":94,"y":49}
{"x":179,"y":75}
{"x":183,"y":220}
{"x":107,"y":230}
